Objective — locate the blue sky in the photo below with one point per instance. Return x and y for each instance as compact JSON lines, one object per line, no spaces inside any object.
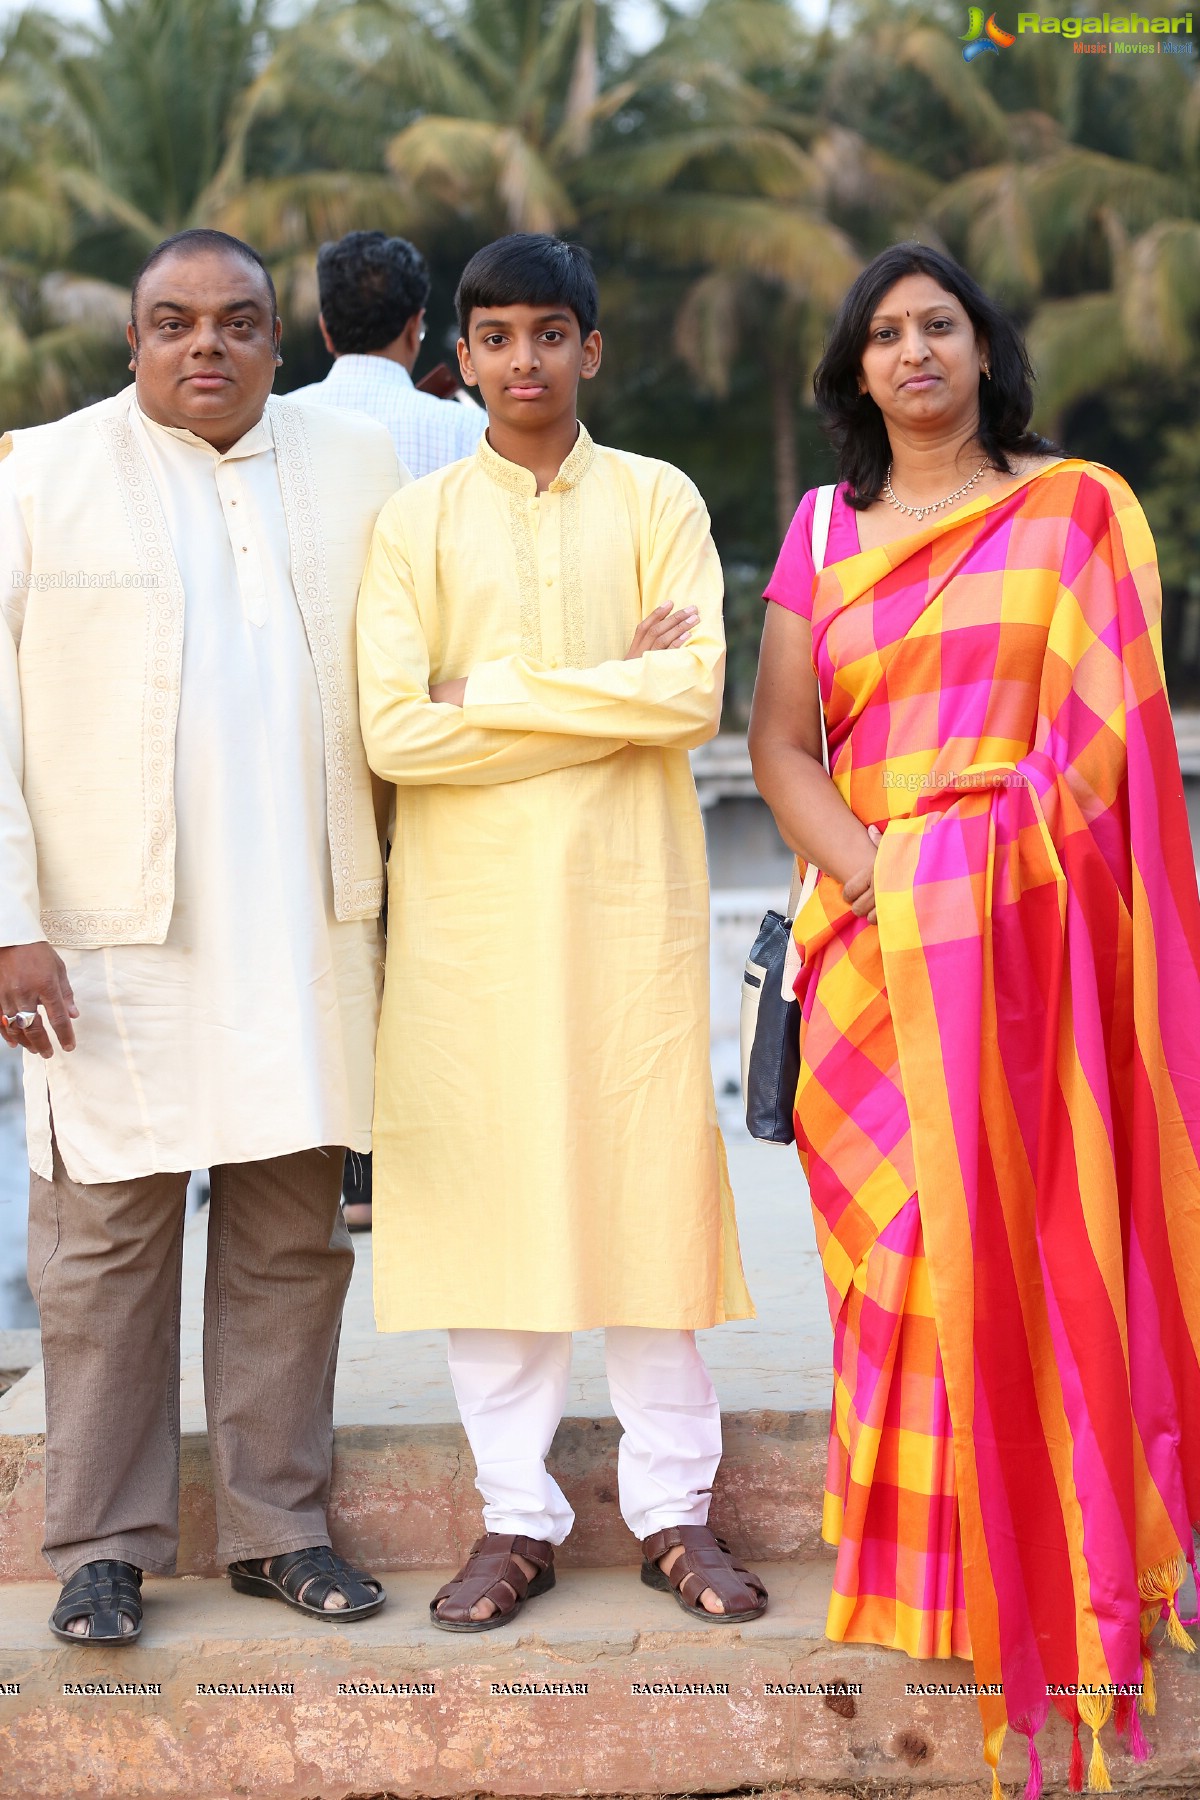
{"x":638,"y":17}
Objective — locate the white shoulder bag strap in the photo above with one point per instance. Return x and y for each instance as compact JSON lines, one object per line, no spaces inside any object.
{"x":822,"y":513}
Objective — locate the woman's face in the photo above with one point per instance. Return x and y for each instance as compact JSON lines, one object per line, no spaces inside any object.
{"x":921,"y":361}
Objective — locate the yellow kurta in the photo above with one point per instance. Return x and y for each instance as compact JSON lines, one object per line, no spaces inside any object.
{"x":547,"y":1155}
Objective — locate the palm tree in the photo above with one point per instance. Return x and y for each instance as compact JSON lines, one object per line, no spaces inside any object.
{"x":1147,"y":319}
{"x":59,"y":339}
{"x":530,"y":116}
{"x":766,"y":205}
{"x":504,"y":104}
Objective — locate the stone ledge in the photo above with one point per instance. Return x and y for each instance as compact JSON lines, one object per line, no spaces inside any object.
{"x":598,"y":1627}
{"x":403,"y":1497}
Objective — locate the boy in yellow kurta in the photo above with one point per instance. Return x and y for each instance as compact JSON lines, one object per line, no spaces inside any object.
{"x":540,"y":644}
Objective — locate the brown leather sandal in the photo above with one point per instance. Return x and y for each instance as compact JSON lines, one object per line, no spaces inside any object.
{"x":491,"y":1572}
{"x":707,"y":1562}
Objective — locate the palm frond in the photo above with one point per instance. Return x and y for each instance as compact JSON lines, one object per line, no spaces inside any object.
{"x":285,"y":214}
{"x":475,"y":167}
{"x":764,"y":162}
{"x":1002,"y":248}
{"x":579,"y":113}
{"x":403,"y":50}
{"x":1077,"y":348}
{"x":46,"y":375}
{"x":856,"y":174}
{"x":35,"y":216}
{"x":1160,"y":294}
{"x":1066,"y":193}
{"x":933,"y":54}
{"x":105,"y":206}
{"x":741,"y":34}
{"x":768,"y":238}
{"x":100,"y":307}
{"x":706,"y":329}
{"x":533,"y":198}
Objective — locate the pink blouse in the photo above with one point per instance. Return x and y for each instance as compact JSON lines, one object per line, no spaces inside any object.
{"x":792,"y":583}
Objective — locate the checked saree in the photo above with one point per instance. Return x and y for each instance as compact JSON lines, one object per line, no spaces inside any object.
{"x":999,"y":1108}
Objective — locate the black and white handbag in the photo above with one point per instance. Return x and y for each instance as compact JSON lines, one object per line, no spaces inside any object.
{"x":770,"y":1017}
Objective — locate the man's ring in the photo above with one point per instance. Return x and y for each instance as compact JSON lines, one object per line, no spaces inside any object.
{"x":20,"y":1021}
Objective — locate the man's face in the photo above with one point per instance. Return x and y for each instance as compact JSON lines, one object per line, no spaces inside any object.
{"x":205,"y":345}
{"x":527,"y":362}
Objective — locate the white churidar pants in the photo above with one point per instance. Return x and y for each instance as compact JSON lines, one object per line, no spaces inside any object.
{"x":511,"y":1388}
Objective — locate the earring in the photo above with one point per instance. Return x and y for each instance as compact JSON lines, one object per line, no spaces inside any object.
{"x":985,"y":371}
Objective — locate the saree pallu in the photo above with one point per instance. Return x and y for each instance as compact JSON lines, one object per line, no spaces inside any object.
{"x":999,"y":1105}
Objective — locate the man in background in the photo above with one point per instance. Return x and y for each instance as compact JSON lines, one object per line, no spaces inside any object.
{"x":373,"y":291}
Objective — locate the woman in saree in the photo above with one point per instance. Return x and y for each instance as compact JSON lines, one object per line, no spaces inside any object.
{"x":998,"y":1109}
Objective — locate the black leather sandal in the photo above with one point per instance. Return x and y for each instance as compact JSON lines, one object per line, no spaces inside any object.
{"x":100,"y":1592}
{"x":315,"y":1573}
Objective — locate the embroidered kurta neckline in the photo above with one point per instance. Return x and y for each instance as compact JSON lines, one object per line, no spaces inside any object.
{"x":260,"y":437}
{"x":519,"y":480}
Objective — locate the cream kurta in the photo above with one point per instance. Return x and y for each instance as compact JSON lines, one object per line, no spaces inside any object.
{"x":249,"y":1032}
{"x":546,"y":1148}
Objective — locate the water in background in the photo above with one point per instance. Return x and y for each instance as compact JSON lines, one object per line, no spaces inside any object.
{"x":16,"y":1302}
{"x":750,"y":870}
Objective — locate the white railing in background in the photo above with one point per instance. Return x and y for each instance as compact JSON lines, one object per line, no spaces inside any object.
{"x":722,"y":766}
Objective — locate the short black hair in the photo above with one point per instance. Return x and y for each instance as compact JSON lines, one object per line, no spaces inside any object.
{"x":370,"y":286}
{"x":853,"y":421}
{"x":530,"y":268}
{"x":202,"y":238}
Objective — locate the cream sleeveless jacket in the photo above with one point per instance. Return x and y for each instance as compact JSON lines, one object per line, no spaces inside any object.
{"x":90,"y":668}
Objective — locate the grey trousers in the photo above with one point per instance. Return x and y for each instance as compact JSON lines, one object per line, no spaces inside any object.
{"x":105,"y":1261}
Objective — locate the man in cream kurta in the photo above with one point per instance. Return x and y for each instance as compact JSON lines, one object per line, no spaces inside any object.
{"x":547,"y":1156}
{"x":249,"y":1030}
{"x":187,"y":816}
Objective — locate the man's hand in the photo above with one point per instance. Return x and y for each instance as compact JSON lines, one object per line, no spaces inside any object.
{"x":859,"y":891}
{"x":31,"y":975}
{"x":663,"y":629}
{"x":449,"y":693}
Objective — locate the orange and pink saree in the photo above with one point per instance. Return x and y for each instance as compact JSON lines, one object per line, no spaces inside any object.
{"x":999,"y":1106}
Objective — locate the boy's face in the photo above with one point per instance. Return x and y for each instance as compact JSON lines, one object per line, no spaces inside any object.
{"x":527,"y":362}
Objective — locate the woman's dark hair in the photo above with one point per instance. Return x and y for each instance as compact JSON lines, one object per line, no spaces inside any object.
{"x":370,"y":287}
{"x":854,"y":422}
{"x":530,"y":268}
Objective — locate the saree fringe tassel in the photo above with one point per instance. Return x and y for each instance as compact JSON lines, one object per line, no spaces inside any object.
{"x":1029,"y":1724}
{"x":992,"y":1745}
{"x":1033,"y":1787}
{"x":1162,"y":1584}
{"x":1139,"y":1747}
{"x":1095,"y":1712}
{"x":1075,"y":1772}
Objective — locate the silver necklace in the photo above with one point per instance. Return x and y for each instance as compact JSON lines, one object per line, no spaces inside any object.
{"x":918,"y":512}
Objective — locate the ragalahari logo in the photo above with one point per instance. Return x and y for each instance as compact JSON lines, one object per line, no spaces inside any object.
{"x":983,"y":36}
